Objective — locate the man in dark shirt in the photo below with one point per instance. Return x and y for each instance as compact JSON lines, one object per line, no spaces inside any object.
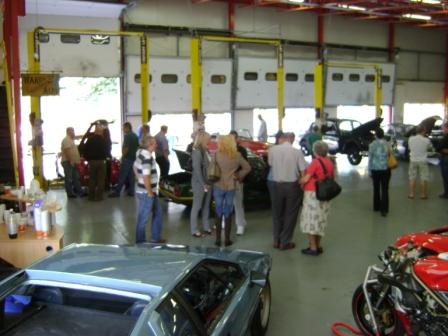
{"x":126,"y":175}
{"x":443,"y":149}
{"x":95,"y":152}
{"x":240,"y":219}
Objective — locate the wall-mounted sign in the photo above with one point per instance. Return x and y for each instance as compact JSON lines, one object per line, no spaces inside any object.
{"x":40,"y":84}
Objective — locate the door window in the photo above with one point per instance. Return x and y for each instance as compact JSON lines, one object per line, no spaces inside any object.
{"x":174,"y":320}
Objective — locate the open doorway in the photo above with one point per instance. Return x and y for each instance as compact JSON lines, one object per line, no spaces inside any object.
{"x":413,"y":114}
{"x":80,"y":102}
{"x":296,"y":120}
{"x":362,"y":113}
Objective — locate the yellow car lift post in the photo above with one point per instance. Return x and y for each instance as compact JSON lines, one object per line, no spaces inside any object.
{"x":34,"y":67}
{"x":196,"y":69}
{"x":319,"y":84}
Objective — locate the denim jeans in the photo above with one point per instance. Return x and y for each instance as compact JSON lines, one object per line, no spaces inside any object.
{"x":148,"y":206}
{"x":444,"y":171}
{"x":223,"y":201}
{"x":126,"y":174}
{"x":71,"y":179}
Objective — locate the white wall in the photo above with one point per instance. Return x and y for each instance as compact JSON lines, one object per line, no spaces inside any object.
{"x":83,"y":59}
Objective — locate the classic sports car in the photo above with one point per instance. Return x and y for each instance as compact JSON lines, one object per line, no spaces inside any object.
{"x":244,"y":139}
{"x":345,"y":136}
{"x":400,"y":133}
{"x":94,"y":290}
{"x":177,"y":187}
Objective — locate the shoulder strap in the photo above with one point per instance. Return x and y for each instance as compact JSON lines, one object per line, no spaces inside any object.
{"x":323,"y":167}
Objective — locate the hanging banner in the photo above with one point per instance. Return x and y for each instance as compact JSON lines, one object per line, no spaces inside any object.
{"x":40,"y":85}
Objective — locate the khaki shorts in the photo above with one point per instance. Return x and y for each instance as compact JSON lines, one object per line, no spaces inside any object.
{"x":418,"y":168}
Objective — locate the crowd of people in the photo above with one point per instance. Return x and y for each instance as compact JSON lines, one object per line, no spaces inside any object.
{"x":291,"y":181}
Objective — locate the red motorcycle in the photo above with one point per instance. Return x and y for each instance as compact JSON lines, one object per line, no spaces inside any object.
{"x":408,"y":293}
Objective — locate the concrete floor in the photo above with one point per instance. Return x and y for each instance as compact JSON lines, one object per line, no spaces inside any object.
{"x":309,"y":293}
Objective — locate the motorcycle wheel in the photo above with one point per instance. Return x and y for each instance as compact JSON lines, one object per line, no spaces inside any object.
{"x":387,"y":318}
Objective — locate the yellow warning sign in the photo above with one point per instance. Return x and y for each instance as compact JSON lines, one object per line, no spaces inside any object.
{"x":40,"y":85}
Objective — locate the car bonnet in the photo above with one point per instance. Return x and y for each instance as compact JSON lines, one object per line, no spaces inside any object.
{"x":367,"y":127}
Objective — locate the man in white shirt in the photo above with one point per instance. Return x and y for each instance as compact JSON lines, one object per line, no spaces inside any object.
{"x":70,"y":159}
{"x":419,"y":145}
{"x":263,"y":131}
{"x":287,"y":165}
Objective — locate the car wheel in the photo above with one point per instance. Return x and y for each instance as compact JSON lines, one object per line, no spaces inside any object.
{"x":354,"y":157}
{"x":260,"y":320}
{"x":305,"y":150}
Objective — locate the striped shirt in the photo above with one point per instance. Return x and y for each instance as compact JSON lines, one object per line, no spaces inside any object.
{"x":145,"y":165}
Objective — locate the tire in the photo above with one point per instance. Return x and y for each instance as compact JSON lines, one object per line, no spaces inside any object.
{"x":354,"y":156}
{"x":305,"y":150}
{"x":260,"y":321}
{"x":387,"y":317}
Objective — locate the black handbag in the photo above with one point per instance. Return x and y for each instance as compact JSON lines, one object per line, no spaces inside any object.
{"x":328,"y":188}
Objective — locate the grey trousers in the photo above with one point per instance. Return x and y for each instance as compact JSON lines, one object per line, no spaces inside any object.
{"x":201,"y":202}
{"x":287,"y":200}
{"x":238,"y":206}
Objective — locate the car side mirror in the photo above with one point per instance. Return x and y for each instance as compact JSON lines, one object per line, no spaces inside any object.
{"x":257,"y":278}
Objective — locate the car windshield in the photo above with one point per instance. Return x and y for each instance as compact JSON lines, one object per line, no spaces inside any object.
{"x":36,"y":309}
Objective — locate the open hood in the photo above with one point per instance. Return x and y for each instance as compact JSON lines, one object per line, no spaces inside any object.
{"x":367,"y":127}
{"x":184,"y":158}
{"x":427,"y":123}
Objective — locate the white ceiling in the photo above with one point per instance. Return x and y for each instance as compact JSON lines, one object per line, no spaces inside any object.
{"x":73,"y":8}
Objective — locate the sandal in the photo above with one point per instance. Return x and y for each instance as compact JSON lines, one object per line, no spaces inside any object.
{"x":197,"y":235}
{"x":207,"y":232}
{"x":411,"y":196}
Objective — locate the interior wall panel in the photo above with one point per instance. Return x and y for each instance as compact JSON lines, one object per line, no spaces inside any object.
{"x":431,"y":67}
{"x":407,"y":66}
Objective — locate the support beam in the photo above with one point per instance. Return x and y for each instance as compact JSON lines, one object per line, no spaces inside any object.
{"x":445,"y":91}
{"x":12,"y":10}
{"x":231,"y":16}
{"x":320,"y":36}
{"x":144,"y":77}
{"x":319,"y":95}
{"x":196,"y":78}
{"x":391,"y":42}
{"x":378,"y":91}
{"x":280,"y":86}
{"x":34,"y":67}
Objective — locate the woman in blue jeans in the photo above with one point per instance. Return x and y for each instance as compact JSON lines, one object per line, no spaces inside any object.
{"x":229,"y":161}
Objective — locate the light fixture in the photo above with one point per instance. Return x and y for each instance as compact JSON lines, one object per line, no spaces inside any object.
{"x":429,"y":2}
{"x":355,"y":8}
{"x":416,"y":16}
{"x":296,"y":1}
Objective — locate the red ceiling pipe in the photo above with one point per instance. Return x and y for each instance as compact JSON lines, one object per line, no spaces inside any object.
{"x":12,"y":10}
{"x":231,"y":16}
{"x":320,"y":35}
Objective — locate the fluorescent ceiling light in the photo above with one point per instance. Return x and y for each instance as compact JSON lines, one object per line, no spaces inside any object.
{"x":297,"y":1}
{"x":356,"y":8}
{"x":431,"y":2}
{"x":417,"y":16}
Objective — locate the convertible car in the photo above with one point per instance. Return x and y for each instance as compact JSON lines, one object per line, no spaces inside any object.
{"x":177,"y":187}
{"x":94,"y":290}
{"x":345,"y":136}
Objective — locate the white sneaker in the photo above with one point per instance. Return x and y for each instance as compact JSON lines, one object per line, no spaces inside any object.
{"x":239,"y":230}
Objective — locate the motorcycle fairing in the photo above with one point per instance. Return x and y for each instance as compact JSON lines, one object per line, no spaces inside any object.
{"x":434,"y":240}
{"x":433,"y":271}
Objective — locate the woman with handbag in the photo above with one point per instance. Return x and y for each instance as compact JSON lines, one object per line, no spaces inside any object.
{"x":379,"y":171}
{"x":202,"y":189}
{"x":228,"y":161}
{"x":314,"y":216}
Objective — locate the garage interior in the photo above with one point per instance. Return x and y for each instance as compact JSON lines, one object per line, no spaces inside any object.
{"x":404,"y":42}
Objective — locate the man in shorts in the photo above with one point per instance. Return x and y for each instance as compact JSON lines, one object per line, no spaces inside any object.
{"x":419,"y":145}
